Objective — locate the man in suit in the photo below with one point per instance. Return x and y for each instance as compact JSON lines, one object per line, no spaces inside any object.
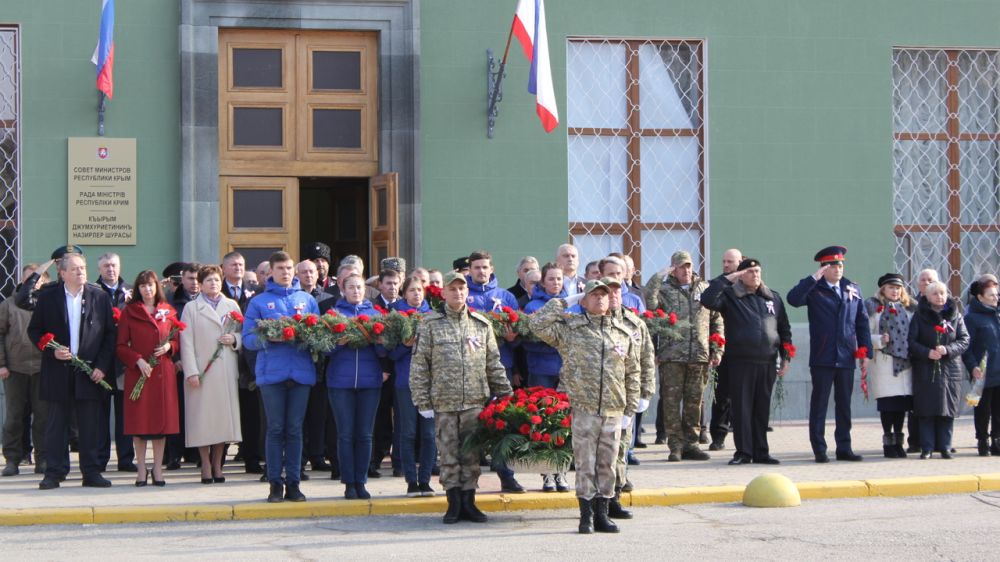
{"x":79,"y":315}
{"x":839,"y":336}
{"x":119,"y":291}
{"x":234,"y":287}
{"x":318,"y":432}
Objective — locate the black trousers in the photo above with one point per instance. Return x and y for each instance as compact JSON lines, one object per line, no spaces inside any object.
{"x":841,"y":382}
{"x":750,"y":386}
{"x":319,"y":431}
{"x":88,"y":414}
{"x":721,"y":423}
{"x":383,"y":435}
{"x":124,"y":449}
{"x":987,"y":414}
{"x":250,"y":448}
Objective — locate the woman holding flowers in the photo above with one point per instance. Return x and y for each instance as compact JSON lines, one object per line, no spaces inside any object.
{"x":889,"y":372}
{"x":208,"y":351}
{"x":418,"y":481}
{"x":937,"y":339}
{"x":354,"y":380}
{"x":147,"y":337}
{"x":982,"y":360}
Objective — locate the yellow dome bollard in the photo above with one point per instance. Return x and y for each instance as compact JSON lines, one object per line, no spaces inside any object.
{"x":771,"y":490}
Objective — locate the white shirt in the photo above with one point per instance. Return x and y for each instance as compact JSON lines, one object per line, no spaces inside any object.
{"x":74,"y":315}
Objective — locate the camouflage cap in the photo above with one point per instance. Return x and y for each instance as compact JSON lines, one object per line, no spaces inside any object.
{"x":452,"y":276}
{"x":680,"y":257}
{"x":395,"y":264}
{"x":611,"y":282}
{"x":594,"y":285}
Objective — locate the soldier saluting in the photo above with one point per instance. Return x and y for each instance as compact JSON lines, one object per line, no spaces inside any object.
{"x":455,"y":369}
{"x":601,"y":374}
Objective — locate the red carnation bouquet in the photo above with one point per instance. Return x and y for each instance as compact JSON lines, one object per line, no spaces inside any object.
{"x":661,"y":323}
{"x":232,"y":323}
{"x":507,"y":321}
{"x":354,"y":332}
{"x":530,"y":427}
{"x":716,"y":345}
{"x":176,"y":327}
{"x":434,"y":297}
{"x":48,"y":341}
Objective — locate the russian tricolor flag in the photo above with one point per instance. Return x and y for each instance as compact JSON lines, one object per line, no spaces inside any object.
{"x":529,"y":27}
{"x":104,"y":55}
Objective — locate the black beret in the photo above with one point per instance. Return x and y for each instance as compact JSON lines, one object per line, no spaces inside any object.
{"x":61,"y":251}
{"x":316,"y":250}
{"x":891,"y":279}
{"x":173,"y":269}
{"x":460,"y":263}
{"x":747,"y":263}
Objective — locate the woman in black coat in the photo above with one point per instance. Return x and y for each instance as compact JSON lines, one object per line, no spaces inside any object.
{"x":937,"y":340}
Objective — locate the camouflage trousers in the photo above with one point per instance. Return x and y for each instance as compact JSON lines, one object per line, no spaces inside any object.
{"x":682,"y":386}
{"x":595,"y":449}
{"x":458,"y":469}
{"x":621,"y":467}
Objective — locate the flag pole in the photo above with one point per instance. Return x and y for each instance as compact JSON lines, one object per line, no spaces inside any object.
{"x":495,"y":83}
{"x":100,"y":114}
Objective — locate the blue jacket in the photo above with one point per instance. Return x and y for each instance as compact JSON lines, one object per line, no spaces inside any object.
{"x":983,"y":326}
{"x":481,"y":298}
{"x":633,"y":300}
{"x":401,"y":355}
{"x":354,"y":368}
{"x":278,"y":361}
{"x":543,"y":359}
{"x":838,"y":326}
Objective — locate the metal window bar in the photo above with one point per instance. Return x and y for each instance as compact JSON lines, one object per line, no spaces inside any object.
{"x":10,"y":158}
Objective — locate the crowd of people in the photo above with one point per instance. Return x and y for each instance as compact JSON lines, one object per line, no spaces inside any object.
{"x":191,"y":375}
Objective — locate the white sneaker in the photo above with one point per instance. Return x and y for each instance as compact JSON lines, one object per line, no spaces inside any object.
{"x":561,"y":484}
{"x":548,"y":483}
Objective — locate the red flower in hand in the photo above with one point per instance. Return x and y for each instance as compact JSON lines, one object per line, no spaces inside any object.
{"x":181,"y":326}
{"x":378,"y":328}
{"x":940,"y":329}
{"x":288,"y":333}
{"x":789,"y":349}
{"x":235,"y":315}
{"x":672,"y":318}
{"x":363,"y":318}
{"x":861,"y":352}
{"x":116,"y":314}
{"x":45,"y":340}
{"x":312,"y":320}
{"x":339,"y":328}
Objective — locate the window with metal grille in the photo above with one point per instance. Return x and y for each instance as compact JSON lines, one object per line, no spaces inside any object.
{"x":636,"y":148}
{"x":10,"y":158}
{"x":946,"y":111}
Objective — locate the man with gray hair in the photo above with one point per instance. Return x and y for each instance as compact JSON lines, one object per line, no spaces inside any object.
{"x":568,"y":260}
{"x":520,"y":287}
{"x":111,"y":282}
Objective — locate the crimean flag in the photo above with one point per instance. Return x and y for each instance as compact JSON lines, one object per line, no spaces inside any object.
{"x":104,"y":55}
{"x":529,"y":28}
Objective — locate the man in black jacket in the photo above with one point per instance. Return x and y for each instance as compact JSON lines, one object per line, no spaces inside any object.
{"x":757,"y":333}
{"x":119,"y":291}
{"x":79,"y":315}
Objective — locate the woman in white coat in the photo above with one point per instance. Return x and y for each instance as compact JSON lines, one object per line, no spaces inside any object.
{"x":211,"y":394}
{"x":889,"y":372}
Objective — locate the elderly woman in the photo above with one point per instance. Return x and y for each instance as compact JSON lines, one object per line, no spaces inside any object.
{"x":145,"y":351}
{"x":984,"y":334}
{"x":211,"y":399}
{"x":418,"y":480}
{"x":889,"y":374}
{"x":937,"y":339}
{"x":354,"y":380}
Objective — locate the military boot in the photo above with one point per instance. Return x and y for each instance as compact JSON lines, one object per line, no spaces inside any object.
{"x":601,"y":522}
{"x":454,"y":505}
{"x":615,"y":510}
{"x":586,"y":517}
{"x":469,"y":511}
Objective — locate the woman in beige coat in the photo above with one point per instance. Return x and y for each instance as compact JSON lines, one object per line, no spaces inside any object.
{"x":211,"y":399}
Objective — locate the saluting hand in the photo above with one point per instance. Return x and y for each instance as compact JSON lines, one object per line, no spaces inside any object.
{"x":819,"y":272}
{"x":665,"y":272}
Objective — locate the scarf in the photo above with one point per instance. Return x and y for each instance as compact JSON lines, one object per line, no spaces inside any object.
{"x":895,"y":321}
{"x":214,"y":303}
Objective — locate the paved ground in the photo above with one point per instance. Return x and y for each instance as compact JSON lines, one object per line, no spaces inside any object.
{"x":952,"y":527}
{"x":789,"y":443}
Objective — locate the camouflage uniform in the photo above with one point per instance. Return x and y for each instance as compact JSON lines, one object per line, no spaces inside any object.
{"x":455,"y":369}
{"x":601,"y":375}
{"x":684,"y":360}
{"x":647,"y":384}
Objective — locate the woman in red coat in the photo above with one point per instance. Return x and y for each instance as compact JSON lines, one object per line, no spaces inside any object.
{"x":145,"y":324}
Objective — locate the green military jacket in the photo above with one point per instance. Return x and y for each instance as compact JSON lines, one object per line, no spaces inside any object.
{"x":700,"y":322}
{"x":601,"y":370}
{"x":644,"y":344}
{"x":456,"y":362}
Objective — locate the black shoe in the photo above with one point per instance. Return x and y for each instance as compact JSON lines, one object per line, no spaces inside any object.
{"x":335,"y":474}
{"x":320,"y":465}
{"x":889,"y":445}
{"x":363,"y":493}
{"x":627,"y":486}
{"x":10,"y":470}
{"x":602,"y":524}
{"x":412,"y":490}
{"x":454,"y":505}
{"x":142,"y":483}
{"x":254,"y":468}
{"x":276,"y":493}
{"x":293,"y":494}
{"x":946,"y":454}
{"x":425,"y":490}
{"x":130,"y":467}
{"x":703,"y":437}
{"x":469,"y":511}
{"x":511,"y":486}
{"x":350,"y":492}
{"x":913,"y":449}
{"x":822,"y":458}
{"x":660,"y":441}
{"x":263,"y":478}
{"x":770,"y":429}
{"x":717,"y":446}
{"x":207,"y":480}
{"x":631,"y":460}
{"x":397,"y":473}
{"x":640,"y":445}
{"x":159,"y":483}
{"x":373,"y":472}
{"x":48,"y":484}
{"x":219,"y":479}
{"x":766,"y":460}
{"x":174,"y":464}
{"x":97,"y":481}
{"x":740,"y":459}
{"x":924,"y":455}
{"x":984,"y":447}
{"x":615,"y":510}
{"x":849,"y":456}
{"x":303,"y":476}
{"x":586,"y":517}
{"x":693,"y":453}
